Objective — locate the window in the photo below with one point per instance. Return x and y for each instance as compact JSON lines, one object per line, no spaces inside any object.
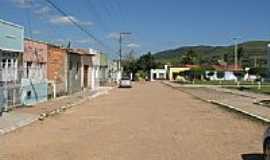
{"x":77,"y":69}
{"x":28,"y":94}
{"x":28,"y":66}
{"x":3,"y":65}
{"x":9,"y":63}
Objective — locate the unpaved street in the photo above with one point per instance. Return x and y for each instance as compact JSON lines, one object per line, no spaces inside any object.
{"x":148,"y":122}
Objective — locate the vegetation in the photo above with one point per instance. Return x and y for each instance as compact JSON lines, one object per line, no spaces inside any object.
{"x":249,"y":54}
{"x":140,"y":67}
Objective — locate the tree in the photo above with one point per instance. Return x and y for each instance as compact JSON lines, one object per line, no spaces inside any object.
{"x":147,"y":62}
{"x":259,"y":71}
{"x":240,"y":54}
{"x":190,"y":58}
{"x":129,"y":63}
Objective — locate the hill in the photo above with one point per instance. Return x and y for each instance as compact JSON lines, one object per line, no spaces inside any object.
{"x":253,"y":53}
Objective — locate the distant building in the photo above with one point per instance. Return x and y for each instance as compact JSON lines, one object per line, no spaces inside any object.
{"x":158,"y":74}
{"x":104,"y":69}
{"x":268,"y":61}
{"x":175,"y":71}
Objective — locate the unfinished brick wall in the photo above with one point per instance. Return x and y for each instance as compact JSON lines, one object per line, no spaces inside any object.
{"x":35,"y":52}
{"x":57,"y":67}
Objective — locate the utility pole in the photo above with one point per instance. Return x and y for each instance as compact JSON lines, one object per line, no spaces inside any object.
{"x":235,"y":53}
{"x":121,"y":34}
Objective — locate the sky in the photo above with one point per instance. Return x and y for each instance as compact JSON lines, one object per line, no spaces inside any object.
{"x":155,"y":25}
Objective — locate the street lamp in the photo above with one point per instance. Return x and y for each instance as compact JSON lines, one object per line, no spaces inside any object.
{"x":235,"y":53}
{"x":121,"y":34}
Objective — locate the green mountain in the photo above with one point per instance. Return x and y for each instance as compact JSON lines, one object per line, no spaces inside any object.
{"x":252,"y":53}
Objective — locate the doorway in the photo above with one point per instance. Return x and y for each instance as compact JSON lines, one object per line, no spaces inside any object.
{"x":85,"y":78}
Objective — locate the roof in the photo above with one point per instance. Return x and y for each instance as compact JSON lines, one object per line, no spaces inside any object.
{"x":43,"y":42}
{"x":81,"y":51}
{"x":229,"y":67}
{"x":11,"y":24}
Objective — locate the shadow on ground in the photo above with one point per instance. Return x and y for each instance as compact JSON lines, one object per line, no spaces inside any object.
{"x":252,"y":156}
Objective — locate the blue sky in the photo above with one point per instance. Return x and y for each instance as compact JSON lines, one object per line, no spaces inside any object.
{"x":155,"y":24}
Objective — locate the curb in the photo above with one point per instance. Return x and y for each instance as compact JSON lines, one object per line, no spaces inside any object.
{"x":233,"y":108}
{"x":18,"y":125}
{"x":64,"y":108}
{"x":252,"y":115}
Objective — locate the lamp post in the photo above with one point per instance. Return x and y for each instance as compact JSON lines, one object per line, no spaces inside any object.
{"x":121,"y":34}
{"x":235,"y":53}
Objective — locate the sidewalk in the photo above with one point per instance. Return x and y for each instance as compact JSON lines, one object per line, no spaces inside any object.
{"x":24,"y":116}
{"x":239,"y":101}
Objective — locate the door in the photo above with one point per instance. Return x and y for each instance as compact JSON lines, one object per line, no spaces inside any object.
{"x":85,"y":78}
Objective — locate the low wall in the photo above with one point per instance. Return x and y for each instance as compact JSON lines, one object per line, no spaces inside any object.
{"x":34,"y":92}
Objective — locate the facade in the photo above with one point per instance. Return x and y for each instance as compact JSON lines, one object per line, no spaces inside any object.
{"x":104,"y":69}
{"x":95,"y":82}
{"x":11,"y":49}
{"x":213,"y":76}
{"x":158,"y":74}
{"x":114,"y":72}
{"x":74,"y":71}
{"x":174,"y":72}
{"x":57,"y":70}
{"x":34,"y":82}
{"x":86,"y":66}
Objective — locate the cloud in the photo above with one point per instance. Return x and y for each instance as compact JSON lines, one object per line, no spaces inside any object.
{"x":113,"y":35}
{"x":36,"y":32}
{"x":67,"y":20}
{"x":43,"y":11}
{"x":134,"y":45}
{"x":84,"y":41}
{"x":23,"y":3}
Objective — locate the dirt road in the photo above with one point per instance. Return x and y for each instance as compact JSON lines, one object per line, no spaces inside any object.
{"x":147,"y":122}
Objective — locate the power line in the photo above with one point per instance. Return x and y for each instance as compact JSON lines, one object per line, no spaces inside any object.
{"x":76,"y":24}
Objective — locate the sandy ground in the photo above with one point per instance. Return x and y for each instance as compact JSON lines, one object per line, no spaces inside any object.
{"x":148,"y":122}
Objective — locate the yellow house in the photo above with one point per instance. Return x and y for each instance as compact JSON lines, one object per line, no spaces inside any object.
{"x":174,"y":71}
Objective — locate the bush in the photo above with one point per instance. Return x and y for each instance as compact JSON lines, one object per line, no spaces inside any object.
{"x":220,"y":74}
{"x":259,"y":71}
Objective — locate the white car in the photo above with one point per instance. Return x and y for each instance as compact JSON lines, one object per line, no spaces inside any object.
{"x":266,"y":144}
{"x":125,"y":82}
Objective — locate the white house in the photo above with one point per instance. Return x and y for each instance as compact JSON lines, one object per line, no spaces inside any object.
{"x":158,"y":74}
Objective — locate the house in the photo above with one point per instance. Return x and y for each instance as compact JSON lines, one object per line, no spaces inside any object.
{"x":158,"y":74}
{"x":86,"y":66}
{"x":34,"y":81}
{"x":11,"y":51}
{"x":114,"y":72}
{"x":104,"y":69}
{"x":74,"y":74}
{"x":175,"y":71}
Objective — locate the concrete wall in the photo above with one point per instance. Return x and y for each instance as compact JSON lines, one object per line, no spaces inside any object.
{"x":57,"y":68}
{"x":34,"y":91}
{"x":160,"y":74}
{"x":176,"y":70}
{"x":74,"y":72}
{"x":86,"y":61}
{"x":11,"y":36}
